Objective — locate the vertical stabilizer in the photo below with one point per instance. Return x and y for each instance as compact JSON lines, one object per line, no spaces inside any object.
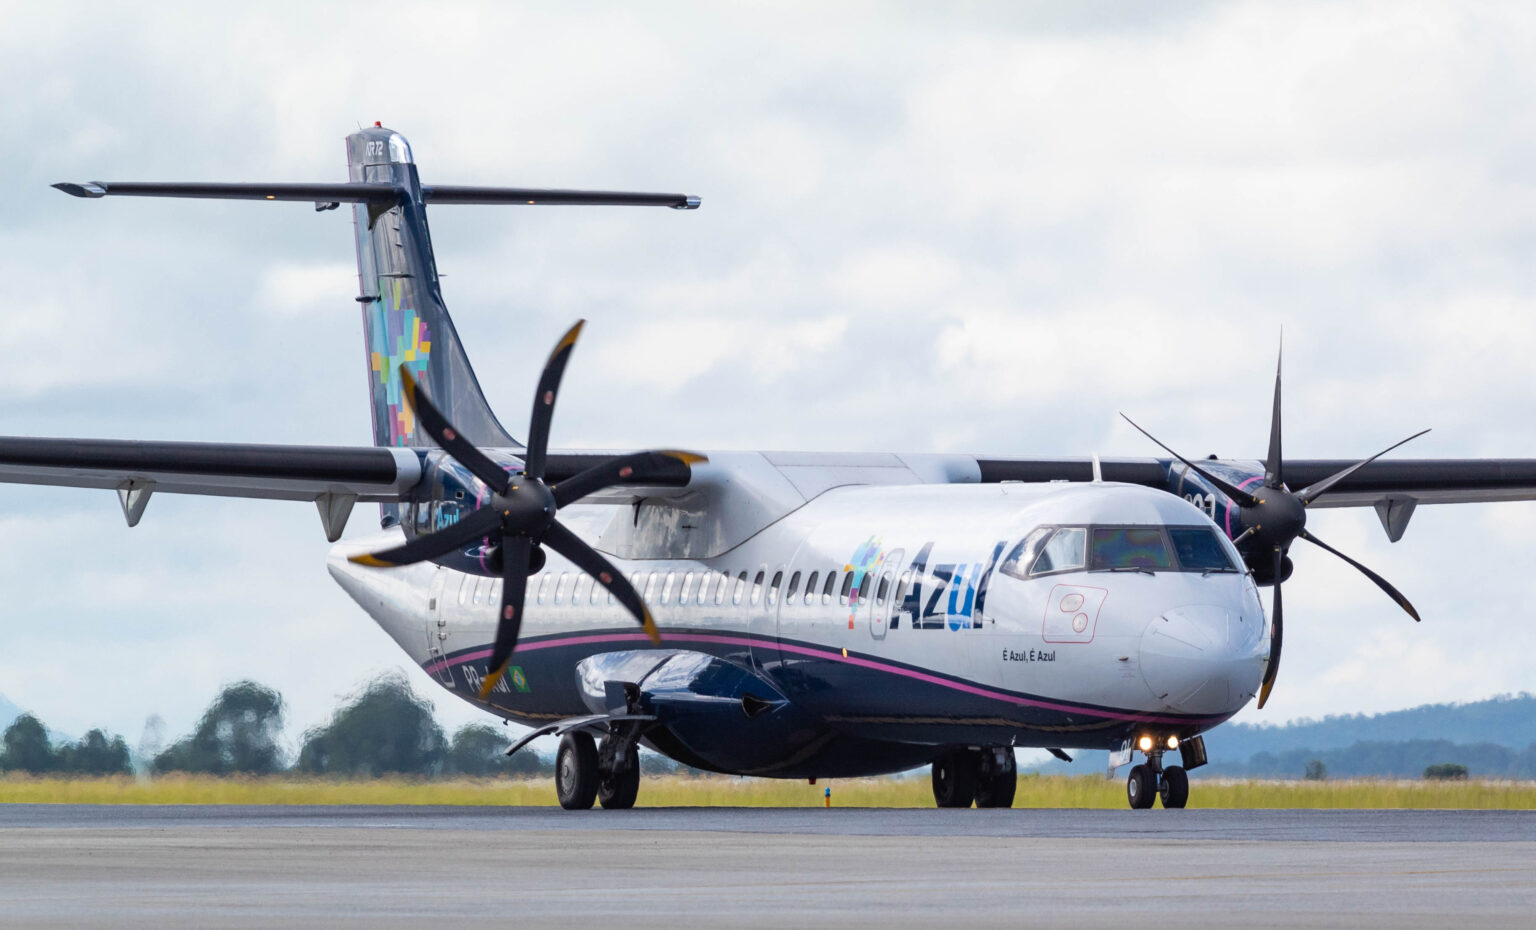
{"x":404,"y":319}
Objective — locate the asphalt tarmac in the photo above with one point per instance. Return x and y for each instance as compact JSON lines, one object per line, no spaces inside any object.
{"x":424,"y":866}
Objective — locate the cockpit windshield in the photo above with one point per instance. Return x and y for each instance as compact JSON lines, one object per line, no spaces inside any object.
{"x":1054,"y":549}
{"x":1129,"y":547}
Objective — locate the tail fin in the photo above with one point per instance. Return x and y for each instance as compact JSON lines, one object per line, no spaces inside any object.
{"x":404,"y":319}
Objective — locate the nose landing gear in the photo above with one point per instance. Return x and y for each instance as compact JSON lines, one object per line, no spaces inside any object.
{"x":1149,"y":781}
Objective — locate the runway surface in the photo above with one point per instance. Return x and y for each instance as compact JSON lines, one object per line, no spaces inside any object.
{"x":66,"y":865}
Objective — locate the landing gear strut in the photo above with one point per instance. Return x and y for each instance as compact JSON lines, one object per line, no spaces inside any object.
{"x":1149,"y":781}
{"x":987,"y":777}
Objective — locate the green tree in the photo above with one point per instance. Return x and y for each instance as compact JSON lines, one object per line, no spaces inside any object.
{"x":1316,"y":771}
{"x":480,"y":751}
{"x":26,"y":747}
{"x":384,"y":729}
{"x":96,"y":755}
{"x":237,"y":735}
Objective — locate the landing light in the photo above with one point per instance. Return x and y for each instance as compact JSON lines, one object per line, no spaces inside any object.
{"x":1144,"y":744}
{"x":1173,"y":742}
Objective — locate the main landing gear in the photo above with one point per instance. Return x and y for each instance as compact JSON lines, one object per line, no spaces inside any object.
{"x":987,"y":777}
{"x":586,"y":773}
{"x":1149,"y":780}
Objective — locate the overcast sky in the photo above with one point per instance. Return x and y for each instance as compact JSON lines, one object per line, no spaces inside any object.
{"x":958,"y":227}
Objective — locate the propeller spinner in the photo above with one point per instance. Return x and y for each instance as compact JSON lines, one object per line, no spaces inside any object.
{"x":520,"y":516}
{"x":1273,"y":517}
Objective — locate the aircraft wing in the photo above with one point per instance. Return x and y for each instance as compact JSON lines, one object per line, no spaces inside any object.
{"x":1426,"y":481}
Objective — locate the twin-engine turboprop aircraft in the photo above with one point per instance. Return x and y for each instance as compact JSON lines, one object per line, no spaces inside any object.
{"x":792,"y":615}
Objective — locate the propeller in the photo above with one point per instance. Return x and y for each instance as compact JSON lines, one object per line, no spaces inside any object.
{"x":1273,"y":517}
{"x":520,"y":516}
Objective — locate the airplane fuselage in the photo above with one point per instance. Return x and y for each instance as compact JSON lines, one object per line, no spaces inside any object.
{"x":867,"y":630}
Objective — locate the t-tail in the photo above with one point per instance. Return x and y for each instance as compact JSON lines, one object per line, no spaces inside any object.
{"x":405,"y":321}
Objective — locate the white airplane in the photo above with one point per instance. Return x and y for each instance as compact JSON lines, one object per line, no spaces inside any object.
{"x":801,"y":615}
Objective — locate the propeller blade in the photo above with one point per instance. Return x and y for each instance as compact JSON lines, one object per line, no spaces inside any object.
{"x":1238,"y":495}
{"x":1273,"y":478}
{"x":592,"y":562}
{"x":1381,"y":582}
{"x":639,"y":466}
{"x":1313,"y":491}
{"x":477,"y":524}
{"x":449,"y":438}
{"x":544,"y":402}
{"x":1276,"y":635}
{"x":515,"y":552}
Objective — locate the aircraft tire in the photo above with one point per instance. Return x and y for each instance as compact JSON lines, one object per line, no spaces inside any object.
{"x":997,"y":786}
{"x":1139,"y":787}
{"x":1174,"y":787}
{"x":576,"y":771}
{"x":954,"y":778}
{"x":617,"y":792}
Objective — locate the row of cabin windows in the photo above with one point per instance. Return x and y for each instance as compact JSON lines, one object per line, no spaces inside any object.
{"x":699,"y":588}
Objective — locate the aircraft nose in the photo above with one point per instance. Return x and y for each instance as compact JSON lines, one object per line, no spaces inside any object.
{"x":1202,"y":659}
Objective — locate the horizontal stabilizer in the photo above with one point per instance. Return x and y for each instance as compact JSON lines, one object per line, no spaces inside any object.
{"x":375,"y":193}
{"x":544,"y":196}
{"x":328,"y":193}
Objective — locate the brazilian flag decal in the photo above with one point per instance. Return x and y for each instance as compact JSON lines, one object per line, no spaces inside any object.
{"x":519,"y":680}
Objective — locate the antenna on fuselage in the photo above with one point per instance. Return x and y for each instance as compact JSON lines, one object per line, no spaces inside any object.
{"x":1098,"y":470}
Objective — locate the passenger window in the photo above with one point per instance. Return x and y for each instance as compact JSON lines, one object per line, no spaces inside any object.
{"x":560,"y":587}
{"x":740,"y":589}
{"x":842,"y":595}
{"x":1063,"y":553}
{"x":757,"y":587}
{"x":794,"y":585}
{"x":724,"y":586}
{"x":884,"y":589}
{"x":773,"y":587}
{"x":864,"y":584}
{"x":650,"y":585}
{"x":826,"y":591}
{"x":495,"y":595}
{"x":704,"y":582}
{"x":463,"y":590}
{"x":810,"y":588}
{"x":580,"y":593}
{"x":666,"y":588}
{"x":543,"y":587}
{"x":1129,"y":548}
{"x":597,"y":592}
{"x":686,"y":591}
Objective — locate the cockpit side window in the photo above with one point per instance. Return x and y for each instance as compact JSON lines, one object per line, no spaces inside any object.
{"x":1063,"y":553}
{"x":1129,"y":547}
{"x":1199,"y":550}
{"x":1016,"y":563}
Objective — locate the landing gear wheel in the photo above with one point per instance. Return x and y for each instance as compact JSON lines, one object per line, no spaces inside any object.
{"x":1141,"y":787}
{"x":576,"y":771}
{"x":1174,"y":788}
{"x":617,"y":791}
{"x":998,"y":783}
{"x":954,"y":778}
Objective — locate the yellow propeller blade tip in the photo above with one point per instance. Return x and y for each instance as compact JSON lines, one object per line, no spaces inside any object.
{"x":408,"y":387}
{"x":1264,"y":693}
{"x":650,"y":629}
{"x":687,"y":458}
{"x":490,"y":681}
{"x":570,"y":337}
{"x":370,"y":561}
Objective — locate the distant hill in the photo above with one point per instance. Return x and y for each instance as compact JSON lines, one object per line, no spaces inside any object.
{"x":1492,"y":737}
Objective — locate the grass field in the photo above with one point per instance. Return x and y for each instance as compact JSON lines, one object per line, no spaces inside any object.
{"x":681,"y":791}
